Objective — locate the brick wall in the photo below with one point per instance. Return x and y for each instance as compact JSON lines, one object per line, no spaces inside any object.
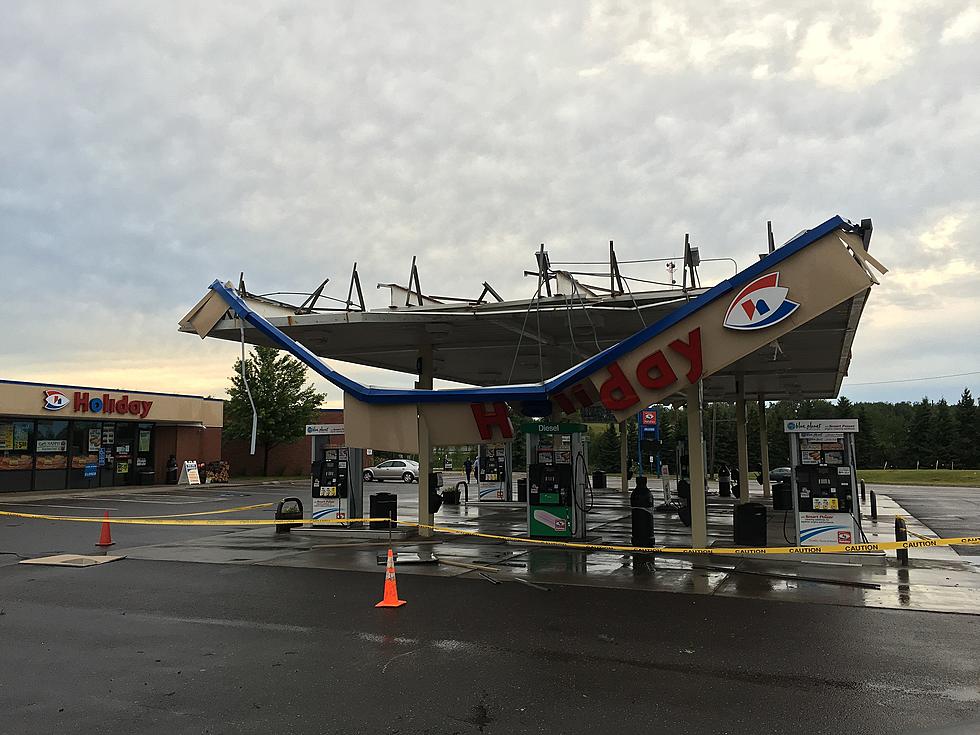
{"x":285,"y":460}
{"x":186,"y":442}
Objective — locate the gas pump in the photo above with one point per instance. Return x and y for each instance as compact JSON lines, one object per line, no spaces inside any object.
{"x":824,"y":468}
{"x":335,"y":483}
{"x":557,"y":478}
{"x":494,"y":472}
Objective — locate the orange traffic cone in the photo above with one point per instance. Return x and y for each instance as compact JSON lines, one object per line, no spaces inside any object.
{"x":391,"y":589}
{"x":105,"y":539}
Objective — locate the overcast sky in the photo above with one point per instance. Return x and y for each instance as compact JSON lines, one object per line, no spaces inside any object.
{"x":148,"y":148}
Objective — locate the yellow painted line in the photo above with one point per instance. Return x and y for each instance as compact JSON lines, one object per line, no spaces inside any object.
{"x":738,"y":551}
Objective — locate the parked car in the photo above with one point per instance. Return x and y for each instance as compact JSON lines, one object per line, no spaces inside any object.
{"x":780,"y":474}
{"x":393,"y":469}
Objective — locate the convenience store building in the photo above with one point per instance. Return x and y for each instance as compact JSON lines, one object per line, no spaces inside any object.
{"x":54,"y":437}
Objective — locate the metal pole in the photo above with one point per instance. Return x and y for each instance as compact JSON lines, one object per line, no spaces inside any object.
{"x":901,"y":534}
{"x":862,"y":491}
{"x":695,"y":460}
{"x":639,"y":445}
{"x":874,"y":507}
{"x":743,"y":446}
{"x":714,"y":433}
{"x":764,"y":447}
{"x":624,"y":455}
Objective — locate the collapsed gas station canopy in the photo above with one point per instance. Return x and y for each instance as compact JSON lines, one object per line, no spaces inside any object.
{"x":527,"y":341}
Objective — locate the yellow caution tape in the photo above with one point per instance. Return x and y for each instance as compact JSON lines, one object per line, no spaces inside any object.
{"x":201,"y":513}
{"x":735,"y":550}
{"x":171,"y":521}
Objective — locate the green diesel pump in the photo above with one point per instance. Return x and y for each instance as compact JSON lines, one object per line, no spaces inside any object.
{"x":557,"y":479}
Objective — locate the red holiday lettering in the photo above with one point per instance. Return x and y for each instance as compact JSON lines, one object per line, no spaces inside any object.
{"x":485,"y":421}
{"x":691,"y":351}
{"x":654,"y":372}
{"x":616,"y":393}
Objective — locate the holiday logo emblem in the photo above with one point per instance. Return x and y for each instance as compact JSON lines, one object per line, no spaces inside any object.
{"x":54,"y":400}
{"x":760,"y":304}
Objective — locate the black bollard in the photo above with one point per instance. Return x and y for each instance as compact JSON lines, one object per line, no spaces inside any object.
{"x":901,"y":534}
{"x":641,"y":512}
{"x":874,"y":507}
{"x":862,"y":491}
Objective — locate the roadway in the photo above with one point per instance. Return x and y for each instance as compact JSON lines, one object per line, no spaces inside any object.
{"x":163,"y":646}
{"x":952,"y":512}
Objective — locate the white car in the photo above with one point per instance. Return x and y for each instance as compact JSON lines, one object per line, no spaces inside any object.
{"x":393,"y":469}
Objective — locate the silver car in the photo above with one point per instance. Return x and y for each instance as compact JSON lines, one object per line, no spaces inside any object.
{"x":393,"y":469}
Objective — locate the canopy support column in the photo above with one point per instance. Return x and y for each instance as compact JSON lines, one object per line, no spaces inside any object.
{"x":743,"y":444}
{"x":425,"y":449}
{"x":624,"y":455}
{"x":764,"y":447}
{"x":695,"y":462}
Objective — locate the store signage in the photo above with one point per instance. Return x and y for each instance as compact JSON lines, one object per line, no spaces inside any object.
{"x":324,"y":429}
{"x":802,"y":426}
{"x":52,"y":445}
{"x":760,"y":304}
{"x":54,"y":400}
{"x":648,"y":417}
{"x":82,"y":403}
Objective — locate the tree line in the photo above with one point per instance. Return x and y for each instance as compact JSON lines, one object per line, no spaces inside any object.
{"x":904,"y":435}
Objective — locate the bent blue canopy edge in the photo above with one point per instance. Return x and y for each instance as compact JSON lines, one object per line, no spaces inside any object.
{"x":534,"y":391}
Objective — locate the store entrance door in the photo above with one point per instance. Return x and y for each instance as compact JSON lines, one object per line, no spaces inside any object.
{"x":125,"y":454}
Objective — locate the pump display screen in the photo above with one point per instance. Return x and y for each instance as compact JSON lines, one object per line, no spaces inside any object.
{"x":331,"y":474}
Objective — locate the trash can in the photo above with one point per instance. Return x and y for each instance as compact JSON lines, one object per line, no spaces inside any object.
{"x":451,"y":497}
{"x":598,"y":480}
{"x":641,"y":511}
{"x":146,"y":477}
{"x":750,"y":524}
{"x":383,"y":505}
{"x":172,"y":470}
{"x":782,"y":495}
{"x":522,"y":490}
{"x":684,"y":493}
{"x":724,"y":483}
{"x":289,"y":509}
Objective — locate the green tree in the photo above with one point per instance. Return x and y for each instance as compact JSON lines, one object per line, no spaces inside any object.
{"x":866,"y":443}
{"x":606,"y":451}
{"x":965,"y":424}
{"x":283,"y":401}
{"x":917,"y":444}
{"x":941,"y":433}
{"x":844,"y":408}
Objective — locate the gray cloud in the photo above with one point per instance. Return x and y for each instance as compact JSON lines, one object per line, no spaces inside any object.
{"x":149,"y":149}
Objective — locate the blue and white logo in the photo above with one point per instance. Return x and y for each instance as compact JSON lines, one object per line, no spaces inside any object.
{"x":54,"y":400}
{"x":760,"y":304}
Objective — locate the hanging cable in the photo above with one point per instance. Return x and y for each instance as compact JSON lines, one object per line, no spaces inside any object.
{"x":520,"y":337}
{"x":636,"y":306}
{"x":248,"y":391}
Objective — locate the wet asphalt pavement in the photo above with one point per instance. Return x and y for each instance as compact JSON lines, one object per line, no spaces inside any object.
{"x":172,"y":647}
{"x":952,"y":512}
{"x":163,"y":647}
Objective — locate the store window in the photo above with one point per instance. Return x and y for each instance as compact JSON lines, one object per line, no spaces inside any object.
{"x":51,"y":445}
{"x":144,"y":452}
{"x":86,"y":440}
{"x":86,"y":451}
{"x":125,"y":451}
{"x":16,"y":439}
